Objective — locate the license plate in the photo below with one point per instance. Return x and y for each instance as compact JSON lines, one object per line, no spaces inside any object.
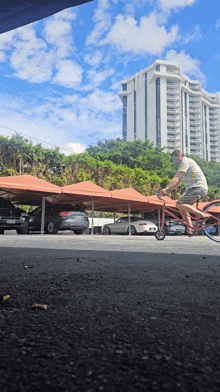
{"x":11,"y":221}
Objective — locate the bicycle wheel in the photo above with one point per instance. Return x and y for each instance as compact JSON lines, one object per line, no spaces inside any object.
{"x":213,"y":231}
{"x":160,"y":235}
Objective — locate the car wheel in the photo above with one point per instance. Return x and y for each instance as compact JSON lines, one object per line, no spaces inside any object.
{"x":133,"y":230}
{"x":80,"y":231}
{"x":106,"y":230}
{"x":22,"y":231}
{"x":51,"y":228}
{"x":1,"y":231}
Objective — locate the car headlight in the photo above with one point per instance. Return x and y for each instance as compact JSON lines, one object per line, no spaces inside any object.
{"x":22,"y":219}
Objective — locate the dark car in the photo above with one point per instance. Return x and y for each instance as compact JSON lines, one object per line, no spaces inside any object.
{"x":12,"y":218}
{"x":59,"y":217}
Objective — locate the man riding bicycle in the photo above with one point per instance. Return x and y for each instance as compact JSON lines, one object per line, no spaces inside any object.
{"x":195,"y":187}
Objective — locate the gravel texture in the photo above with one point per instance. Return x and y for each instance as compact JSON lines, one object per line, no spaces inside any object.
{"x":115,"y":321}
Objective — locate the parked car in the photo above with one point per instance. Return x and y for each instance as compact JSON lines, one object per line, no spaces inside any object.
{"x":59,"y":217}
{"x":121,"y":226}
{"x":12,"y":218}
{"x":174,"y":227}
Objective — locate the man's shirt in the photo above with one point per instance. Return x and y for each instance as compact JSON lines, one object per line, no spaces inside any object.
{"x":193,"y":175}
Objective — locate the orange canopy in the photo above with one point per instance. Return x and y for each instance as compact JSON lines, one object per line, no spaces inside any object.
{"x":156,"y":201}
{"x":86,"y":188}
{"x":27,"y":189}
{"x":121,"y":200}
{"x":85,"y":193}
{"x":128,"y":194}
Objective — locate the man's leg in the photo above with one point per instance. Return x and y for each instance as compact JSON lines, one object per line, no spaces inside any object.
{"x":191,"y":210}
{"x":186,"y":218}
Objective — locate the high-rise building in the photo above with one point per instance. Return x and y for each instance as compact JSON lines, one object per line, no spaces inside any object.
{"x":166,"y":107}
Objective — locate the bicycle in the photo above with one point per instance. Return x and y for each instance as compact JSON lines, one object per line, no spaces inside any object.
{"x":210,"y":226}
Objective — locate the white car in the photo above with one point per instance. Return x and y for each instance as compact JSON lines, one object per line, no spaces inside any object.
{"x":138,"y":226}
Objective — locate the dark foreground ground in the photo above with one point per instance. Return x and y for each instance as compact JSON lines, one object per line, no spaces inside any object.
{"x":122,"y":315}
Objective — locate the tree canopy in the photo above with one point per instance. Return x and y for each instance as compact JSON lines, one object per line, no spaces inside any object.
{"x":113,"y":164}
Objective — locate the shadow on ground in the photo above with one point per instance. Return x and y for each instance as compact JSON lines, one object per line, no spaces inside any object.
{"x":115,"y":322}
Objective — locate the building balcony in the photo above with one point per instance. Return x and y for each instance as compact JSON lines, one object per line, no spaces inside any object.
{"x":195,"y":148}
{"x":195,"y":123}
{"x":172,"y":104}
{"x":194,"y":86}
{"x":173,"y":124}
{"x":173,"y":116}
{"x":213,"y":115}
{"x":194,"y":116}
{"x":194,"y":98}
{"x":172,"y":84}
{"x":193,"y":104}
{"x":193,"y":111}
{"x":173,"y":90}
{"x":214,"y":132}
{"x":197,"y":130}
{"x":172,"y":71}
{"x":214,"y":127}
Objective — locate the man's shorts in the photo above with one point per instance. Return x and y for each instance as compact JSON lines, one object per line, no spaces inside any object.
{"x":191,"y":195}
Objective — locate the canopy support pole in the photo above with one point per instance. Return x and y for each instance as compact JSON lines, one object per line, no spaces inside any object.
{"x":159,"y":218}
{"x":92,"y":231}
{"x":114,"y":216}
{"x":129,"y":218}
{"x":42,"y":215}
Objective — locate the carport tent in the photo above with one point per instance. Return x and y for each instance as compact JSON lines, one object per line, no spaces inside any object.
{"x":125,"y":200}
{"x":27,"y":189}
{"x":17,"y":13}
{"x":30,"y":190}
{"x":86,"y":194}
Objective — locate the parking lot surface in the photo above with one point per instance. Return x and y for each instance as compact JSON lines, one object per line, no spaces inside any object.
{"x":123,"y":313}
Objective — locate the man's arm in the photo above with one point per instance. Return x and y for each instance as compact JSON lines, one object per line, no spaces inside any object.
{"x":175,"y":182}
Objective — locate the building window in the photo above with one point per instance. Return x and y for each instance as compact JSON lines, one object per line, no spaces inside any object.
{"x":135,"y":117}
{"x":158,"y":67}
{"x":146,"y":106}
{"x":158,"y":124}
{"x":124,"y":119}
{"x":124,"y":87}
{"x":185,"y":96}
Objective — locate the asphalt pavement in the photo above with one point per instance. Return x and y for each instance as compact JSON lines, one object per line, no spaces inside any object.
{"x":123,"y":313}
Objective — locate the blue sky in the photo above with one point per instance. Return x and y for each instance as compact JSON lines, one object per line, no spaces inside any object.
{"x":60,"y":76}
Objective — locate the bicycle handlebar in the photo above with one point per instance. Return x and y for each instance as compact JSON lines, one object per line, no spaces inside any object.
{"x":159,"y":196}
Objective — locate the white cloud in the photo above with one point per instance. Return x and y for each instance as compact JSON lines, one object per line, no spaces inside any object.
{"x":101,"y":101}
{"x":67,"y":13}
{"x":2,"y":56}
{"x":97,"y":78}
{"x":71,"y":119}
{"x":34,"y":59}
{"x":74,"y":148}
{"x":94,"y":58}
{"x":217,"y":24}
{"x":69,"y":74}
{"x":102,"y":21}
{"x":57,"y":33}
{"x":149,"y":37}
{"x":175,"y":4}
{"x":188,"y":65}
{"x":6,"y":40}
{"x":195,"y":35}
{"x":30,"y":59}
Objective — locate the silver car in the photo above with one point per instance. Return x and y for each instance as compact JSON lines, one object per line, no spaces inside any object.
{"x":174,"y":227}
{"x":138,"y":226}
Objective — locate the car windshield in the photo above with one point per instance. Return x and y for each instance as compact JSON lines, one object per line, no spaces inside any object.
{"x":5,"y":204}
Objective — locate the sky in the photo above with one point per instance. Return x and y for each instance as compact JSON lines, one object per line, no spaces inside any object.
{"x":60,"y":76}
